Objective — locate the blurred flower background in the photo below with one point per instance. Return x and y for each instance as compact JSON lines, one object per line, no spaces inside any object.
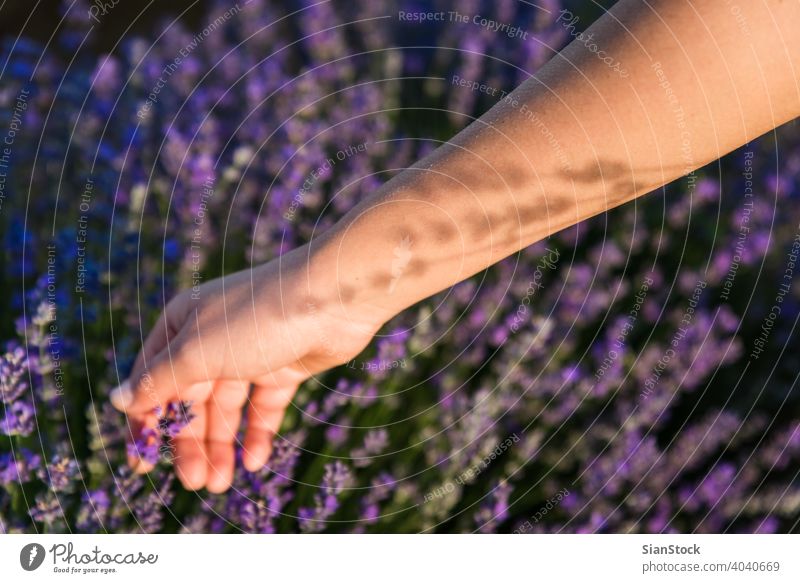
{"x":635,"y":373}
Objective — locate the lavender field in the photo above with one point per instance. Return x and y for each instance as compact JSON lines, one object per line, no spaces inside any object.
{"x":635,"y":373}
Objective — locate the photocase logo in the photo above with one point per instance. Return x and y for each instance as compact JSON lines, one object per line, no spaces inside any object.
{"x":31,"y":556}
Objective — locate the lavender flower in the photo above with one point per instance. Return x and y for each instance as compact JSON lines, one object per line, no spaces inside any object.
{"x":47,"y":510}
{"x":19,"y":419}
{"x":13,"y":373}
{"x":19,"y":466}
{"x":335,"y":479}
{"x":375,"y":442}
{"x":178,"y":415}
{"x":494,"y":510}
{"x":146,"y":446}
{"x":61,"y":473}
{"x":94,"y":509}
{"x":380,"y":491}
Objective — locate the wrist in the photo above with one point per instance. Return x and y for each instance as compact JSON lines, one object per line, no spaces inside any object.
{"x":332,"y":285}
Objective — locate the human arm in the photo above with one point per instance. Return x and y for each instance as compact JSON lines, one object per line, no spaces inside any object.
{"x":575,"y":140}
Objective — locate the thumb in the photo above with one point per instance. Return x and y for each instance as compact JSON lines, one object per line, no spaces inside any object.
{"x":167,"y":377}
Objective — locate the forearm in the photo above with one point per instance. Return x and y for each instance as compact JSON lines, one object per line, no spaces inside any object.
{"x":574,"y":141}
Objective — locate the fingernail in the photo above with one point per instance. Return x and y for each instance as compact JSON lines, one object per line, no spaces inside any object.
{"x":122,"y":396}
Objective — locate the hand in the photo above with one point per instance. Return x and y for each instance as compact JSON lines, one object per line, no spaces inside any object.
{"x":248,"y":338}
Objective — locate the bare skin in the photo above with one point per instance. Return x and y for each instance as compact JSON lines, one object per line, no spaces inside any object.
{"x":575,"y":140}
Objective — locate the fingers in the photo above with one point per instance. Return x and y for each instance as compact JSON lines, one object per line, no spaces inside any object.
{"x":262,"y":426}
{"x":264,"y":417}
{"x":224,"y":412}
{"x":191,"y":459}
{"x":146,"y":439}
{"x":139,"y":449}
